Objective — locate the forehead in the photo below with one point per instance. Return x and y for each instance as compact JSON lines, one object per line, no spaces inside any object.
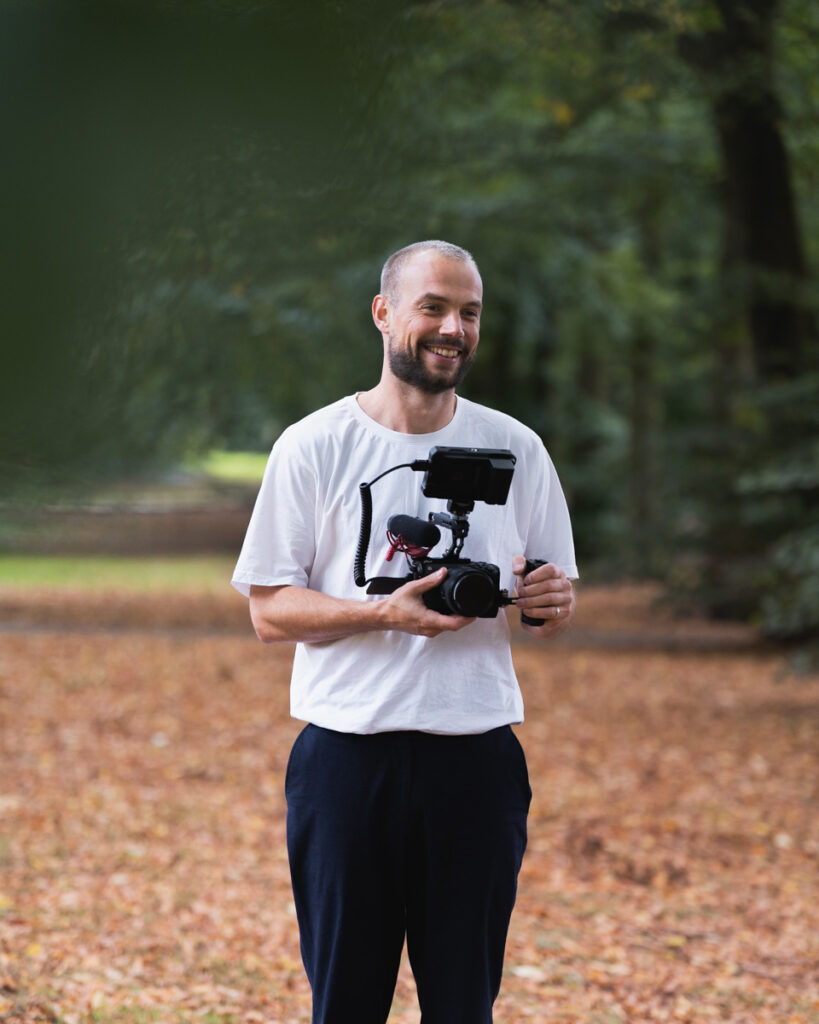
{"x":429,"y":273}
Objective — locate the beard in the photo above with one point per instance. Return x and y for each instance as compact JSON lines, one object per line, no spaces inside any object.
{"x":410,"y":368}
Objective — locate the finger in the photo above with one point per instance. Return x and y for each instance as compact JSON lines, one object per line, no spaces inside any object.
{"x":547,"y":618}
{"x":426,"y":582}
{"x":549,"y":571}
{"x":551,"y":585}
{"x":457,"y":621}
{"x":539,"y":572}
{"x":544,"y":596}
{"x":548,"y":593}
{"x":445,"y":624}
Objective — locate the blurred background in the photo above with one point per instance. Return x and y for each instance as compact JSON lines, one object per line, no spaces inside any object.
{"x":198,"y":197}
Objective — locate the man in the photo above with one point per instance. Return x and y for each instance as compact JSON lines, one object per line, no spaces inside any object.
{"x":408,"y":791}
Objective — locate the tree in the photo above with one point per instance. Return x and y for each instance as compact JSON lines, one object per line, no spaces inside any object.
{"x":211,"y":246}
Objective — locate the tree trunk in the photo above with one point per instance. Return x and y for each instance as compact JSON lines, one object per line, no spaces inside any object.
{"x":766,"y":333}
{"x":765,"y":256}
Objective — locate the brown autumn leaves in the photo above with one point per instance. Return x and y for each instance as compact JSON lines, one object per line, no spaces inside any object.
{"x":673,"y":863}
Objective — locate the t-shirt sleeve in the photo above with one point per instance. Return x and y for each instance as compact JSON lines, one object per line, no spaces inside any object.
{"x":279,"y":545}
{"x":550,"y":533}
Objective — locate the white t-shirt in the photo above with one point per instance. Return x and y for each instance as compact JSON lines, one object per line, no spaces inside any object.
{"x":304,"y":531}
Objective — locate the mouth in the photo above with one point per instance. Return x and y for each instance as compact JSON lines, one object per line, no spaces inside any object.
{"x":448,"y":352}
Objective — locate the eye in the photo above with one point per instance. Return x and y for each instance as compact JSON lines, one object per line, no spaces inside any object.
{"x":431,"y":307}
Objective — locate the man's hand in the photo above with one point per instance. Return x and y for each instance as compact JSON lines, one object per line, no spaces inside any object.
{"x":405,"y":610}
{"x":545,"y":593}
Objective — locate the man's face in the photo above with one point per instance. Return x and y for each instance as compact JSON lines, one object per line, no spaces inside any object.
{"x":434,"y":322}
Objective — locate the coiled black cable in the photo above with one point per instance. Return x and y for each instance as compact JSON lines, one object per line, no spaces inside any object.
{"x":359,"y":567}
{"x":363,"y":535}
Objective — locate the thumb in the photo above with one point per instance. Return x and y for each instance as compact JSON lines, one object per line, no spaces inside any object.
{"x":428,"y":582}
{"x":519,"y":565}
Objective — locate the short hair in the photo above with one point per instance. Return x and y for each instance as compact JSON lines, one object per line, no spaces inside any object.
{"x":394,"y":265}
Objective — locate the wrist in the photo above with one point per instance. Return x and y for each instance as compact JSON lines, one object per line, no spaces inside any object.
{"x":378,"y":616}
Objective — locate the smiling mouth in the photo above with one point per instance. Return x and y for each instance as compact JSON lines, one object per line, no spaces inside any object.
{"x":444,"y":352}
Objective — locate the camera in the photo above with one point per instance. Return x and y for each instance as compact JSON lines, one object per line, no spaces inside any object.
{"x":462,"y":476}
{"x":469,"y":588}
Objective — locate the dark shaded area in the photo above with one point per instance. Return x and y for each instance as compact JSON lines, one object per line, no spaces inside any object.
{"x":125,"y":125}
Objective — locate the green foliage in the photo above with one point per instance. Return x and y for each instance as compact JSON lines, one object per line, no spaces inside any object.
{"x":221,"y":207}
{"x":790,"y":603}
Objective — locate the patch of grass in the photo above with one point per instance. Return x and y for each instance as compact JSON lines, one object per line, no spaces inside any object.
{"x":92,"y":572}
{"x":231,"y":467}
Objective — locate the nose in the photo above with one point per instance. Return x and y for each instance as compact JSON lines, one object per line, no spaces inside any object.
{"x":452,"y":325}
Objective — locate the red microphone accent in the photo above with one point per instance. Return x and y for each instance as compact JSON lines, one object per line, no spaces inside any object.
{"x":397,"y":543}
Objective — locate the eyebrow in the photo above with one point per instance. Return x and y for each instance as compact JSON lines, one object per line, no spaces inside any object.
{"x":427,"y":296}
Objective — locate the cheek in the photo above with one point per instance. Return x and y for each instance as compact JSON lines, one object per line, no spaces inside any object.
{"x":425,"y":328}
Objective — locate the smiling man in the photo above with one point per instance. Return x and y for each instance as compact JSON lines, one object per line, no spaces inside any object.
{"x":407,"y":791}
{"x":446,"y":325}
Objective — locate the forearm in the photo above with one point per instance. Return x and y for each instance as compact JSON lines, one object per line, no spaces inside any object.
{"x":298,"y":614}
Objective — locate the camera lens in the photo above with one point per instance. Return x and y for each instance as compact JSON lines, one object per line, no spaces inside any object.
{"x":469,"y":592}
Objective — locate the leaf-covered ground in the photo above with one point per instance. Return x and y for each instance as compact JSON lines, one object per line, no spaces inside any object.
{"x":673,"y":865}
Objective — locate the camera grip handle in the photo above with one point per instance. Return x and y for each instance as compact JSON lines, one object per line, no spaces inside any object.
{"x":532,"y":563}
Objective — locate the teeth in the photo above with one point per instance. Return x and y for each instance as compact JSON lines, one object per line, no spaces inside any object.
{"x":450,"y":353}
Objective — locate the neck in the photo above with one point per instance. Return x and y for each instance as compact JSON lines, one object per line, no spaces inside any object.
{"x":405,"y":409}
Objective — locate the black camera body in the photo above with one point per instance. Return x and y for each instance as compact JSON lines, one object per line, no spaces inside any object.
{"x":463,"y":476}
{"x":470,"y":588}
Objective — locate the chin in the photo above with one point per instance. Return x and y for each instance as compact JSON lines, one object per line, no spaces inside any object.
{"x":413,"y":371}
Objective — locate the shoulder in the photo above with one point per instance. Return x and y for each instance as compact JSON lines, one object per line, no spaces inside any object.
{"x":498,"y":429}
{"x":317,"y":428}
{"x":318,"y":421}
{"x":323,"y":443}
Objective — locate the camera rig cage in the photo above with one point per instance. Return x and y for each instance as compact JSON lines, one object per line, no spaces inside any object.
{"x":462,"y":476}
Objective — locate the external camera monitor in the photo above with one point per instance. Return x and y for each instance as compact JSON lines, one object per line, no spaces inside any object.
{"x":469,"y":474}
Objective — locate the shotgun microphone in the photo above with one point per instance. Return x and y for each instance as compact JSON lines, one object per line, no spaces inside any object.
{"x":418,"y":533}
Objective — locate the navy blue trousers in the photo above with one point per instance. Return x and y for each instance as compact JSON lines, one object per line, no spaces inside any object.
{"x":405,"y":834}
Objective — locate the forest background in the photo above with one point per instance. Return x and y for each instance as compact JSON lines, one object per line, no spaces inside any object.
{"x":196,"y":202}
{"x":198,"y":199}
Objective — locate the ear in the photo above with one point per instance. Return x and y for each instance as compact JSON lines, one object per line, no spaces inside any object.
{"x":381,"y":313}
